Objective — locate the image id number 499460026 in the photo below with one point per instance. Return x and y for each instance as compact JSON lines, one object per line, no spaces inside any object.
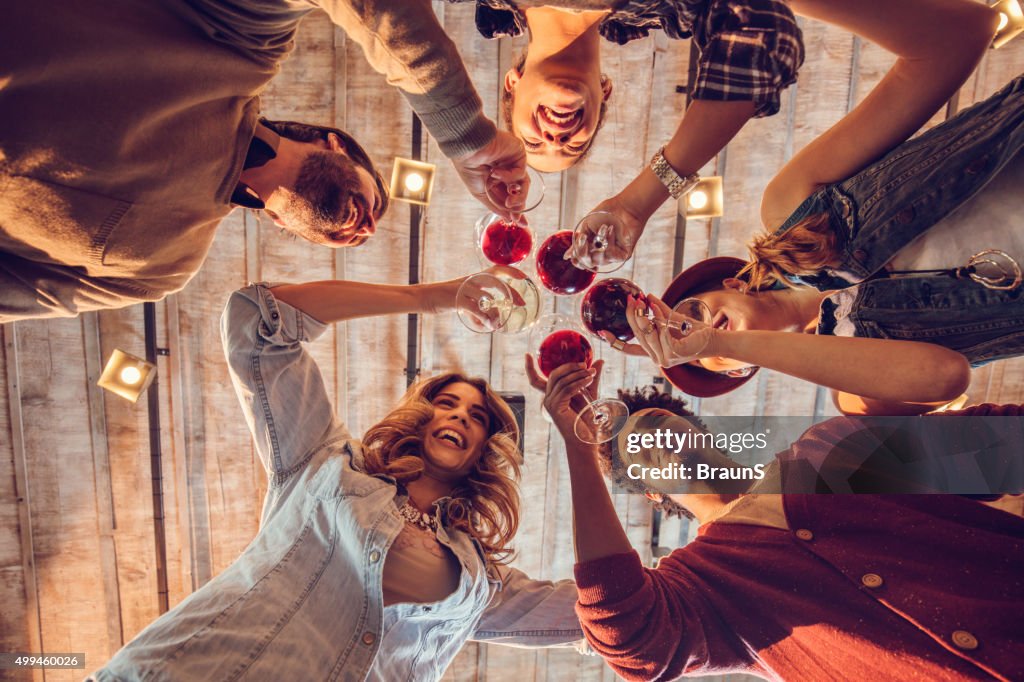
{"x":23,"y":659}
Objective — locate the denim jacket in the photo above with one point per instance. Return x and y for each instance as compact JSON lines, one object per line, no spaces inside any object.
{"x":304,"y":600}
{"x":881,"y":209}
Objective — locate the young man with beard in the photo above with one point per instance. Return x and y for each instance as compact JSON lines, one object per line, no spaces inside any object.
{"x":796,"y":586}
{"x":128,"y":130}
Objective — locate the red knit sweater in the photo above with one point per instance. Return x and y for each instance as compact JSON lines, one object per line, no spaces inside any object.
{"x":862,"y":587}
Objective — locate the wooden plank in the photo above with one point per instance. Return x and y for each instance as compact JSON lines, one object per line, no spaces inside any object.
{"x":105,"y":518}
{"x":58,"y":471}
{"x":183,"y":536}
{"x":21,"y":621}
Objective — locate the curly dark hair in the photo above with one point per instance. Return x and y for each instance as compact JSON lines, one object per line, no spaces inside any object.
{"x":640,"y":399}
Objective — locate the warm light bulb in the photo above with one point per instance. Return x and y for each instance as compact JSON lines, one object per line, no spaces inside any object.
{"x":698,"y":200}
{"x":1003,"y":21}
{"x":131,"y":375}
{"x":414,"y":182}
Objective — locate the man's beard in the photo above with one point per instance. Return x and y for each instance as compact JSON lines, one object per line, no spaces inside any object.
{"x":326,"y":206}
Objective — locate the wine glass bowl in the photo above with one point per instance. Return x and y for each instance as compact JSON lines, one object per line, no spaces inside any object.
{"x":522,"y":316}
{"x":556,"y":341}
{"x":562,"y":347}
{"x":484,"y":303}
{"x":557,"y":273}
{"x":604,"y":307}
{"x":503,"y":241}
{"x":601,"y":242}
{"x":534,"y":188}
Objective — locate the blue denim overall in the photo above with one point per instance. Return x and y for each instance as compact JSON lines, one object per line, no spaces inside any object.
{"x":884,"y":207}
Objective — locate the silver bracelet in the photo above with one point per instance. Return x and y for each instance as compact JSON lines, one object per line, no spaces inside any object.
{"x":676,"y":184}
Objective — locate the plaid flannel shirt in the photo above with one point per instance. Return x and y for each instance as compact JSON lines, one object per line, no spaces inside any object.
{"x":750,"y":50}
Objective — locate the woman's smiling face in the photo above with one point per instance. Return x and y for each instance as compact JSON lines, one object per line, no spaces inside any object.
{"x":454,"y":438}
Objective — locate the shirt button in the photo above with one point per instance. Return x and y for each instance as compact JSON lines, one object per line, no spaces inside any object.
{"x":965,"y":640}
{"x":427,"y":609}
{"x":374,"y":556}
{"x":369,"y":638}
{"x":860,"y":255}
{"x":274,"y":316}
{"x":805,"y":534}
{"x":871,"y":580}
{"x":905,"y":216}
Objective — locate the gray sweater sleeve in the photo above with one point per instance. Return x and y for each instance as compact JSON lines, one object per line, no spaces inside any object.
{"x":403,"y":40}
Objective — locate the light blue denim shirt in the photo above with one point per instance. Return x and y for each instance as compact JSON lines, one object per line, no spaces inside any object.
{"x":304,"y":600}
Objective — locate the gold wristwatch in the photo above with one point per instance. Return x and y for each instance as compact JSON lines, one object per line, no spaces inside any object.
{"x":676,"y":184}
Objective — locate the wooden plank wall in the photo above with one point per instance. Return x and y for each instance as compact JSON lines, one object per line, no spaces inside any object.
{"x":77,"y":558}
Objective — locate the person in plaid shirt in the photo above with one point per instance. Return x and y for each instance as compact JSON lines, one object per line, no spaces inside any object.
{"x":554,"y":96}
{"x":745,"y":62}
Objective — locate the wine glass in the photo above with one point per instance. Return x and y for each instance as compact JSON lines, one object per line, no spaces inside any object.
{"x":485,"y":303}
{"x":556,"y":273}
{"x":600,"y":242}
{"x":503,"y":241}
{"x":507,"y":241}
{"x":555,"y":342}
{"x":604,"y":307}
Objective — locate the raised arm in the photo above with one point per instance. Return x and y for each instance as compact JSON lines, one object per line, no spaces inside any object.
{"x":646,"y":624}
{"x":883,"y":369}
{"x":403,"y":40}
{"x":746,"y":60}
{"x":937,"y":44}
{"x":277,"y":381}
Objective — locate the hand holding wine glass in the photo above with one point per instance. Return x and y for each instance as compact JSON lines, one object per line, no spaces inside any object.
{"x":668,"y":337}
{"x":486,"y":301}
{"x":606,"y":237}
{"x":557,"y":341}
{"x":567,"y":391}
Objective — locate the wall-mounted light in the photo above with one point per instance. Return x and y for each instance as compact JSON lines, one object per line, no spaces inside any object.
{"x":1011,"y":21}
{"x":705,"y":200}
{"x":412,"y":181}
{"x":127,"y":375}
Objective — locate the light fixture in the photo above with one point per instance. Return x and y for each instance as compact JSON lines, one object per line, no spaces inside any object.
{"x":705,"y":200}
{"x":1011,"y":21}
{"x":127,"y":375}
{"x":412,"y":181}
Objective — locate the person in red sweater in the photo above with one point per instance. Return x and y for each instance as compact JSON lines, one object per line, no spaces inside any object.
{"x":798,"y":586}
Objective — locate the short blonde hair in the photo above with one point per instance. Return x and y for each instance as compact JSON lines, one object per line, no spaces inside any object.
{"x":485,"y":504}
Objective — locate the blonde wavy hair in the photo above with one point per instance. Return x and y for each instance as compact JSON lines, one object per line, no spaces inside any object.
{"x":485,"y":504}
{"x":806,"y":248}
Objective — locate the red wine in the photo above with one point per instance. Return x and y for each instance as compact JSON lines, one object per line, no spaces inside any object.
{"x":556,"y":273}
{"x":604,"y":307}
{"x":506,"y":243}
{"x":561,"y":347}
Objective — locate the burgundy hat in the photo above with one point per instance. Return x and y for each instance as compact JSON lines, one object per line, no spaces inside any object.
{"x":691,"y":379}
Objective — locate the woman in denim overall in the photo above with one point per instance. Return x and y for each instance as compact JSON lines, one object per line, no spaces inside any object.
{"x":871,"y":329}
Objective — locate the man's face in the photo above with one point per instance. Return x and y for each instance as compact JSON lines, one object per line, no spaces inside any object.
{"x":334,"y":201}
{"x":454,"y":438}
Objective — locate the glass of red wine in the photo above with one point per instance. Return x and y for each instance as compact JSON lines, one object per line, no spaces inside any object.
{"x":556,"y":341}
{"x":503,"y":241}
{"x":604,"y":307}
{"x":557,"y":273}
{"x":601,"y":243}
{"x":507,"y":241}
